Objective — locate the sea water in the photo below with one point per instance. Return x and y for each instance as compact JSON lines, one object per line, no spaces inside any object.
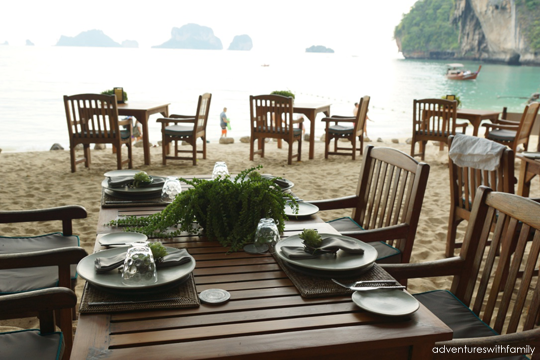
{"x":35,"y":79}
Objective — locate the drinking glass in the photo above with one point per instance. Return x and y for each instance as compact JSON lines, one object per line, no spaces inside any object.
{"x":139,"y":266}
{"x":220,"y":169}
{"x":171,"y":188}
{"x":267,"y":235}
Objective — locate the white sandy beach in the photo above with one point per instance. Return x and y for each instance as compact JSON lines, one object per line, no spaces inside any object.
{"x":32,"y":180}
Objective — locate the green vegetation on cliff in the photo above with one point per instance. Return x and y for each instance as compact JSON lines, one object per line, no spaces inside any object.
{"x":427,"y":27}
{"x":528,"y":13}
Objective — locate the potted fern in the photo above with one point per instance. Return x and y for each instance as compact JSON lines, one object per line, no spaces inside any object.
{"x":225,"y":209}
{"x":286,"y":93}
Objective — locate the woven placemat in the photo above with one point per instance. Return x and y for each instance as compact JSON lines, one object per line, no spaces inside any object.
{"x":181,"y":296}
{"x":312,"y":285}
{"x":111,"y":201}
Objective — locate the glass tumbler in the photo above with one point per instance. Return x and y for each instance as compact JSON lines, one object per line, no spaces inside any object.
{"x":139,"y":266}
{"x":267,"y":235}
{"x":220,"y":169}
{"x":171,"y":188}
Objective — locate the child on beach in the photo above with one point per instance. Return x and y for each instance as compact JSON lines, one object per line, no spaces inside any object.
{"x":224,"y":122}
{"x":355,"y":112}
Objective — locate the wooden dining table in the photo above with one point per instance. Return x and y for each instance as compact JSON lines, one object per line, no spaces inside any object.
{"x":476,"y":117}
{"x":142,"y":110}
{"x":528,"y":170}
{"x":265,"y":318}
{"x":310,"y":110}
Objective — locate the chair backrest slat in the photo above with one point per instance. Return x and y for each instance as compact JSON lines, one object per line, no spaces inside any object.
{"x":500,"y":284}
{"x":390,"y":192}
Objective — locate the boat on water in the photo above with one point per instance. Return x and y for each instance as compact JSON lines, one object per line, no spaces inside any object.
{"x":455,"y":72}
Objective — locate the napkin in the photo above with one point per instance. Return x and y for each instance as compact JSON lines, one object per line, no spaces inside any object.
{"x":478,"y":153}
{"x":123,"y":181}
{"x":329,"y":245}
{"x":173,"y":258}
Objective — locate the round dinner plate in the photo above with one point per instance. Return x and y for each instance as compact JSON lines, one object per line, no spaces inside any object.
{"x":304,"y":209}
{"x":132,"y":191}
{"x":389,"y":302}
{"x":113,"y":278}
{"x":341,"y":261}
{"x":121,"y":237}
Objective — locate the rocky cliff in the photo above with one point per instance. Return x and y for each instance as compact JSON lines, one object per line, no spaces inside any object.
{"x":319,"y":49}
{"x":192,"y":36}
{"x":241,"y":42}
{"x":492,"y":30}
{"x":94,"y":38}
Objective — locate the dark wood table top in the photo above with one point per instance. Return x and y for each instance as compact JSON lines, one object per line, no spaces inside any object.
{"x":265,"y":318}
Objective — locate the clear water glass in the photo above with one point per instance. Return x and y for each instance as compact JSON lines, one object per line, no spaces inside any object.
{"x":139,"y":266}
{"x":171,"y":188}
{"x":220,"y":169}
{"x":267,"y":235}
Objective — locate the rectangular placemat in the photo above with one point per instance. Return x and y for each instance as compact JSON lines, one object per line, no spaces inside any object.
{"x":182,"y":296}
{"x":110,"y":201}
{"x":312,"y":286}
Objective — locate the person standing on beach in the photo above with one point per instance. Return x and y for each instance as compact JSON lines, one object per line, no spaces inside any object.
{"x":223,"y":122}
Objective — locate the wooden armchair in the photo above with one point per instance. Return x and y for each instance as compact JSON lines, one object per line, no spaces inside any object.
{"x":93,"y":119}
{"x":272,"y":117}
{"x":48,"y":304}
{"x":387,"y":204}
{"x":507,"y":132}
{"x":491,"y":293}
{"x":435,"y":120}
{"x":463,"y":184}
{"x":186,"y":128}
{"x":346,"y":127}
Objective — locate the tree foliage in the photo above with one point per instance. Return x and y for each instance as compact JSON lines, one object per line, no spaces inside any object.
{"x":427,"y":27}
{"x":528,"y":13}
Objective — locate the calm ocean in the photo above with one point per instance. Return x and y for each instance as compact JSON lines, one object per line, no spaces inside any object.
{"x":34,"y":80}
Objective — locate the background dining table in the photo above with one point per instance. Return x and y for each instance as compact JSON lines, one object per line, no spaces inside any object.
{"x":266,"y":317}
{"x":142,"y":110}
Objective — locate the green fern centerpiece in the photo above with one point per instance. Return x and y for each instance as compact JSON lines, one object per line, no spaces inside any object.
{"x":225,"y":209}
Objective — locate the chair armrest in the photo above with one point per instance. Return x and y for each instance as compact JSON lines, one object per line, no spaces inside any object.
{"x":298,"y":121}
{"x":382,"y":234}
{"x":507,"y":122}
{"x":52,"y":257}
{"x":58,"y":213}
{"x":177,"y":120}
{"x":497,"y":126}
{"x":46,"y":300}
{"x":338,"y":203}
{"x":126,"y":122}
{"x":443,"y":267}
{"x":519,"y":339}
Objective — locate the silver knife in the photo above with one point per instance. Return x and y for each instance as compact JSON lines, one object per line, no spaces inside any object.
{"x":97,"y":303}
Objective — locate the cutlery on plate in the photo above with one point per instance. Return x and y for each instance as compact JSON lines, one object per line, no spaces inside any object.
{"x":388,"y":284}
{"x":365,"y":288}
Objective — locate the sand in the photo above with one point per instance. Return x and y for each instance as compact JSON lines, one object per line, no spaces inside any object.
{"x":33,"y":180}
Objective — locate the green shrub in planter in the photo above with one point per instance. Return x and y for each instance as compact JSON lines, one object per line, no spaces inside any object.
{"x":226,"y":209}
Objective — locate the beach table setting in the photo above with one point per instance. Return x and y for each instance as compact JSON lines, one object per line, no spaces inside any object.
{"x":298,"y":289}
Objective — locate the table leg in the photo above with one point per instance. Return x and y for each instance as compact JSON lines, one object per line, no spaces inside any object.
{"x":476,"y":125}
{"x":312,"y":115}
{"x":143,"y":119}
{"x":524,"y":183}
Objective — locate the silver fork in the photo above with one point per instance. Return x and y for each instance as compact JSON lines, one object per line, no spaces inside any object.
{"x":371,"y":285}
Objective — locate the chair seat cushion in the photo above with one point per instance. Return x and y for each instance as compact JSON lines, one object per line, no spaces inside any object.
{"x":179,"y":130}
{"x":432,"y":133}
{"x":450,"y":310}
{"x":296,"y":131}
{"x":30,"y":344}
{"x":27,"y":279}
{"x":124,"y":134}
{"x":502,"y":135}
{"x":386,"y":253}
{"x":340,"y":130}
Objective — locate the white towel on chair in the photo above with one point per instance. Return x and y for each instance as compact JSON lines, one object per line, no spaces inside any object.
{"x":478,"y":153}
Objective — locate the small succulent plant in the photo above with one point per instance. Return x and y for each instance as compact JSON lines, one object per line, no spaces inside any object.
{"x":311,"y":238}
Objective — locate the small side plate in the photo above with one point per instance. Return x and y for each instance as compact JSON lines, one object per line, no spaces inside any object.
{"x":389,"y":302}
{"x":214,"y":296}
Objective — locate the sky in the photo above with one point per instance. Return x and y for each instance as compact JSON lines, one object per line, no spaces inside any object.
{"x":346,"y":26}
